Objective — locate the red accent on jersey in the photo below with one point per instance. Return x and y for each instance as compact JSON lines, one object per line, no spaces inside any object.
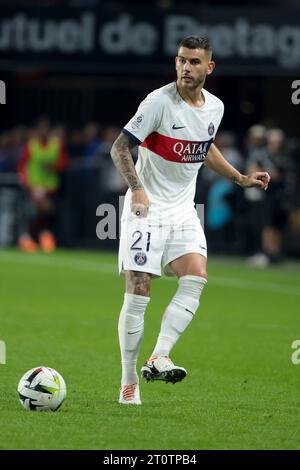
{"x":177,"y":150}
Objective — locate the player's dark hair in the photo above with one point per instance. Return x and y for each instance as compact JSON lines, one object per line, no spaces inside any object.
{"x":195,"y":42}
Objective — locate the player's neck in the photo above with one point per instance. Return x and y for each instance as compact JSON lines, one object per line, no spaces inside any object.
{"x":194,"y":98}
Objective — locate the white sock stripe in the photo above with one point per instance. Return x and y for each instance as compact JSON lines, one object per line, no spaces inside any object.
{"x":136,"y":299}
{"x":189,"y":277}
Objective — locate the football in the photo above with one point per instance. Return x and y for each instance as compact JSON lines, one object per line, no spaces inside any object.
{"x":42,"y":389}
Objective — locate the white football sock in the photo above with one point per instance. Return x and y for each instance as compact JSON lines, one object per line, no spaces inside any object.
{"x":179,"y":313}
{"x":131,"y":332}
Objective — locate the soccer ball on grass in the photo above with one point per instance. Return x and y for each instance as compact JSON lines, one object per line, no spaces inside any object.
{"x":42,"y":389}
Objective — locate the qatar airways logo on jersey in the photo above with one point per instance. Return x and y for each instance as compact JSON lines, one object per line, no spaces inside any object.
{"x":177,"y":150}
{"x":191,"y":151}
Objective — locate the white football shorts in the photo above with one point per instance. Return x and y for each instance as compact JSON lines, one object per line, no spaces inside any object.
{"x":149,"y":247}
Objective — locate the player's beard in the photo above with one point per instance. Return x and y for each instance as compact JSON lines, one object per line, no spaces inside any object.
{"x":193,"y":83}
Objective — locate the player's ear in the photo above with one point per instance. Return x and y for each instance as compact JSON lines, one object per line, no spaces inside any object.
{"x":210,"y":67}
{"x":176,"y":62}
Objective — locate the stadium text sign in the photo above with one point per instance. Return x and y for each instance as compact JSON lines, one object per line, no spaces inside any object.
{"x":257,"y":41}
{"x":2,"y":352}
{"x":2,"y":92}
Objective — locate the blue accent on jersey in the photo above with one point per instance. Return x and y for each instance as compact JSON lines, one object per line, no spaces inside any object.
{"x":131,"y":136}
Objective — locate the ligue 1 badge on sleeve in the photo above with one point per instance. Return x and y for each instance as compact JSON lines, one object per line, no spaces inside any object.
{"x":211,"y":129}
{"x":137,"y":122}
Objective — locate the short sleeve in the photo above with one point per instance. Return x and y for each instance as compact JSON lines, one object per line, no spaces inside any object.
{"x":146,"y":120}
{"x":218,"y":119}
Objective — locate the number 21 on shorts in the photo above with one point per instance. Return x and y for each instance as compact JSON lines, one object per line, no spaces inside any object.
{"x":139,"y":240}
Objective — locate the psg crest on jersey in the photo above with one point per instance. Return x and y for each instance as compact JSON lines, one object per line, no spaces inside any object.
{"x":211,"y":129}
{"x":140,"y":258}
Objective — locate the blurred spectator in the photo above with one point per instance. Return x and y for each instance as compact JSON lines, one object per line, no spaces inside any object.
{"x":226,"y":142}
{"x":18,"y":140}
{"x":256,"y":138}
{"x":11,"y":143}
{"x":294,"y":178}
{"x":75,"y":144}
{"x":85,"y":177}
{"x":275,"y":159}
{"x":5,"y":160}
{"x":254,"y":198}
{"x":59,"y":131}
{"x":110,"y":180}
{"x":222,"y":194}
{"x":92,"y":140}
{"x":42,"y":159}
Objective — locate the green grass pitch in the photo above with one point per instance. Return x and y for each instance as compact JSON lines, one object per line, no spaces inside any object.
{"x":242,"y":390}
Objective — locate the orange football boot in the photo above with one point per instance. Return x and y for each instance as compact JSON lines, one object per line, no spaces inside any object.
{"x":47,"y":241}
{"x":27,"y":245}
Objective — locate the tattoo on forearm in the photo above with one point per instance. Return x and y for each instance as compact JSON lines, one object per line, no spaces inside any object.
{"x":122,"y":158}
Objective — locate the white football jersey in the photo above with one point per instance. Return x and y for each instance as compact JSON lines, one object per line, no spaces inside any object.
{"x":173,"y":140}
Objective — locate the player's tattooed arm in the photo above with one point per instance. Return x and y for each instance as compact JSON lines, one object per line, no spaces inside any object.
{"x":122,"y":158}
{"x":216,"y":162}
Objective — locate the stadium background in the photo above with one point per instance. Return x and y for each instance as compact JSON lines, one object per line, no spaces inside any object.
{"x":85,"y":66}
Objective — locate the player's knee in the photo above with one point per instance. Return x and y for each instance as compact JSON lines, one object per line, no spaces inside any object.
{"x":198,"y":272}
{"x":203,"y":274}
{"x":138,"y":283}
{"x":189,"y":292}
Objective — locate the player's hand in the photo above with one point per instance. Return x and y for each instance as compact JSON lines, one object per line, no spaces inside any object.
{"x":139,"y":203}
{"x":259,"y":179}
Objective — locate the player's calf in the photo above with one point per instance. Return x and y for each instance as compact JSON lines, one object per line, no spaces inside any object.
{"x":179,"y":313}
